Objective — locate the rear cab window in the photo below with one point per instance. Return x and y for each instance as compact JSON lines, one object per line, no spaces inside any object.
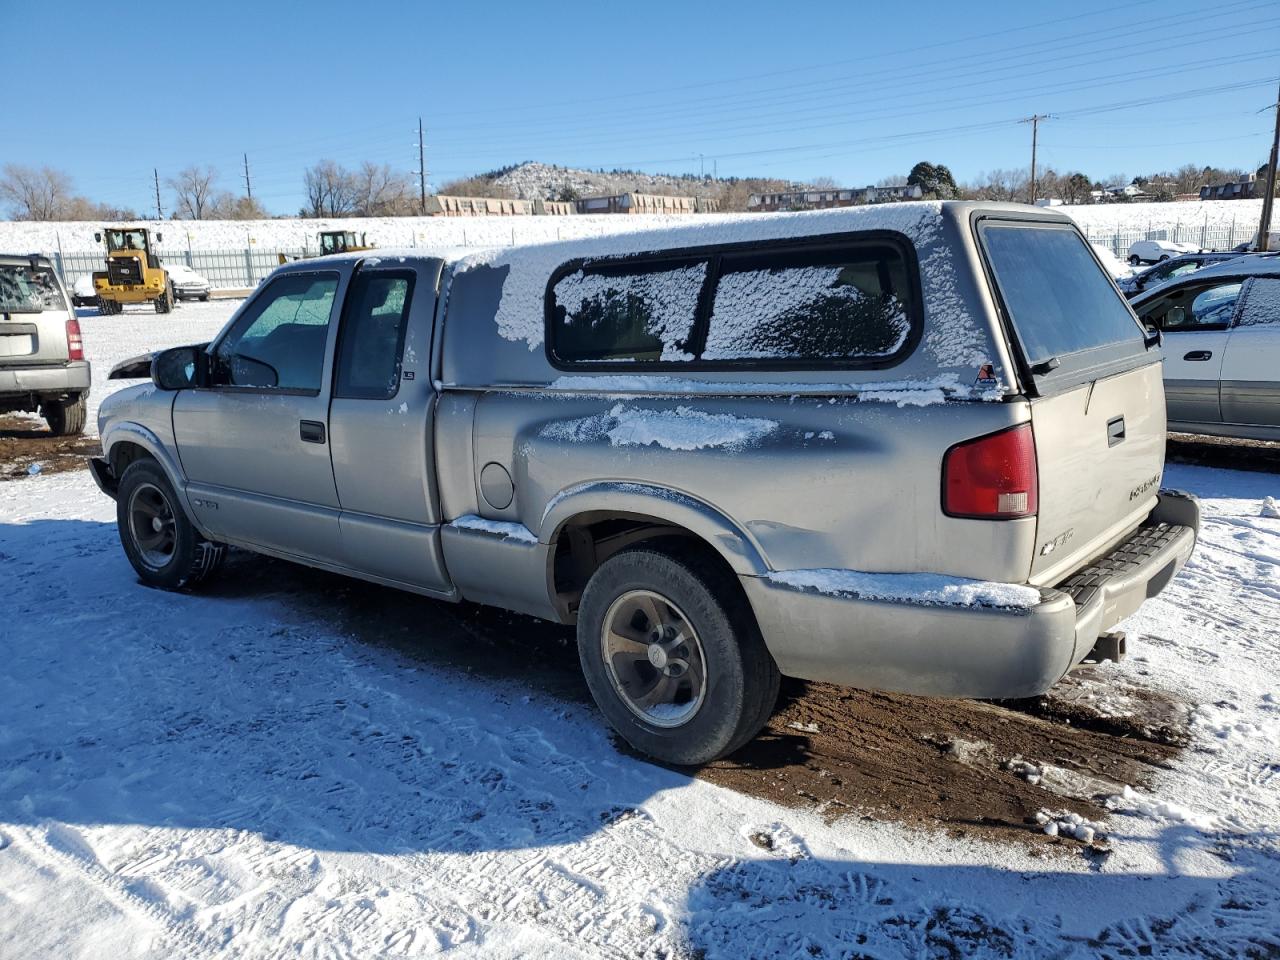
{"x":844,"y":303}
{"x":1068,"y":318}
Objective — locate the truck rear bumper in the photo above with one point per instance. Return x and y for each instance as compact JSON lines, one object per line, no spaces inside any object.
{"x":59,"y":378}
{"x":973,"y":651}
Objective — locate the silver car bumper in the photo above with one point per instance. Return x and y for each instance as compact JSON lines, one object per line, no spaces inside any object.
{"x":979,"y":652}
{"x":59,"y":378}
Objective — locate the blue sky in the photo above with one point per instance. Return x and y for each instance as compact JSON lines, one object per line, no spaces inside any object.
{"x":793,"y":90}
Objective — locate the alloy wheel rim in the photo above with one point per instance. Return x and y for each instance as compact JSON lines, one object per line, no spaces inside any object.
{"x":152,"y":525}
{"x":653,"y":658}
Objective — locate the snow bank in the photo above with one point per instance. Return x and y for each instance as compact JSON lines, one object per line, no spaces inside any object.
{"x":930,"y":589}
{"x":681,"y":429}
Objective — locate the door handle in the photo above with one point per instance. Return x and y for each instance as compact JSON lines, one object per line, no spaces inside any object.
{"x":1115,"y":431}
{"x":312,"y":431}
{"x":1198,"y":355}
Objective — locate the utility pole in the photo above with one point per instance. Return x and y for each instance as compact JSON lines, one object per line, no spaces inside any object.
{"x":1034,"y":120}
{"x":422,"y":171}
{"x":156,"y":173}
{"x":1269,"y":198}
{"x":248,"y":187}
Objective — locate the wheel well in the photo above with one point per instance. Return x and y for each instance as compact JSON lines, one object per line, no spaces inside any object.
{"x":125,"y":453}
{"x":588,"y":540}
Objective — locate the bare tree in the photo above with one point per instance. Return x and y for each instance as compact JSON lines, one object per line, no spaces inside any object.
{"x":35,"y":194}
{"x":193,"y":191}
{"x":227,"y":206}
{"x":330,"y":190}
{"x":378,"y":191}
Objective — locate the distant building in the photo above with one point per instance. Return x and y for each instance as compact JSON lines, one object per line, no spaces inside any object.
{"x":646,"y":203}
{"x":447,"y":206}
{"x":1246,"y":188}
{"x":818,"y":199}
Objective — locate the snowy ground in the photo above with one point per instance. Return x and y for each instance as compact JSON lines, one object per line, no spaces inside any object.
{"x":290,"y":232}
{"x":273,"y":767}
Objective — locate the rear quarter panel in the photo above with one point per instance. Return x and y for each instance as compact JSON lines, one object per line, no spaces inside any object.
{"x":820,"y":481}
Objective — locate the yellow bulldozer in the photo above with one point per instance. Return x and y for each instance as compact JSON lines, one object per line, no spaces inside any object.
{"x":335,"y":241}
{"x":133,"y":274}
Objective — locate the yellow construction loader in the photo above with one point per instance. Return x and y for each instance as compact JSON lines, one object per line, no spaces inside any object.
{"x":335,"y":241}
{"x":133,"y":274}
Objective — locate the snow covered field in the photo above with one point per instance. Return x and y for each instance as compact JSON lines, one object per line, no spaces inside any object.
{"x":286,"y":763}
{"x":290,"y":233}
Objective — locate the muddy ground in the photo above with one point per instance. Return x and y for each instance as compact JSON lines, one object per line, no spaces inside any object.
{"x":963,"y":767}
{"x":27,"y":447}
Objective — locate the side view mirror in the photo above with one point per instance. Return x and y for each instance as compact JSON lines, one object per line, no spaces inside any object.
{"x":179,"y":368}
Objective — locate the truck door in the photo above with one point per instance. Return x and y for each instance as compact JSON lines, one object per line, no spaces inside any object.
{"x":382,"y":425}
{"x":1251,"y":367}
{"x":254,"y":443}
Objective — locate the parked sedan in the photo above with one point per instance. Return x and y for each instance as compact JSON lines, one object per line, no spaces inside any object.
{"x":1153,"y":251}
{"x":1162,"y":272}
{"x":1221,"y":328}
{"x":187,"y":284}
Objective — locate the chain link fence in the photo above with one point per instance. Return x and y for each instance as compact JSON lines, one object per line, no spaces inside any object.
{"x":1202,"y":236}
{"x":222,"y":268}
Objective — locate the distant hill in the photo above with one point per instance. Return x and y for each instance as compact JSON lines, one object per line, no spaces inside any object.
{"x":532,"y":180}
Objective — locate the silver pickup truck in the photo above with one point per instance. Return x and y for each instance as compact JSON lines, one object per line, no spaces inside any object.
{"x":915,"y":448}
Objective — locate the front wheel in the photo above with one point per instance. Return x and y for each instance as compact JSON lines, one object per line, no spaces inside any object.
{"x":673,"y":657}
{"x":1134,"y":259}
{"x":66,"y":417}
{"x":163,"y":546}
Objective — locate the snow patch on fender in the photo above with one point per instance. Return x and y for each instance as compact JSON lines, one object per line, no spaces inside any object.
{"x":503,"y":528}
{"x":681,"y":429}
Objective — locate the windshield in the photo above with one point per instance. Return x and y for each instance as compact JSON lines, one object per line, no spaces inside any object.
{"x":126,"y":240}
{"x":1057,"y":296}
{"x":28,"y":289}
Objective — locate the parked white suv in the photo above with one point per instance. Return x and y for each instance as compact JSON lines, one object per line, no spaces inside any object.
{"x":1153,"y":251}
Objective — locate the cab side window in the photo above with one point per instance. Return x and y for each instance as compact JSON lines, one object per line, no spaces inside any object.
{"x":278,"y":343}
{"x":372,"y":336}
{"x":1195,"y":308}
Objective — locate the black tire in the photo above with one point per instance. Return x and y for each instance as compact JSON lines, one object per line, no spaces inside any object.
{"x":164,"y":303}
{"x":182,"y":556}
{"x":741,"y":679}
{"x":1134,"y":259}
{"x":1163,"y":258}
{"x":204,"y":298}
{"x":66,"y":417}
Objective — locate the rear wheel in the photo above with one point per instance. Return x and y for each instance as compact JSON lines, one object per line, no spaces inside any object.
{"x":1134,"y":259}
{"x":673,"y":656}
{"x":163,"y":546}
{"x":66,"y":417}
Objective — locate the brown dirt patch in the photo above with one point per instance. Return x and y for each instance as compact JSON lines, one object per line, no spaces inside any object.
{"x":26,"y":442}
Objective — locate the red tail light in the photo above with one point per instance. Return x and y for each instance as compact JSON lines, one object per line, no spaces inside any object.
{"x":993,"y":477}
{"x":75,"y":344}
